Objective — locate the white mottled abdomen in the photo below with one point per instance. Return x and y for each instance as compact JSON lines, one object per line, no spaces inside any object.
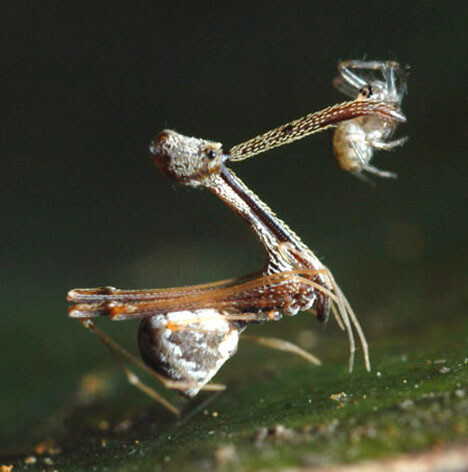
{"x":188,"y":346}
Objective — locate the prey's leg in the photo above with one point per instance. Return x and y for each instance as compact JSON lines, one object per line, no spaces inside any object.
{"x":366,"y":166}
{"x":381,"y":173}
{"x":392,"y":73}
{"x":345,"y":67}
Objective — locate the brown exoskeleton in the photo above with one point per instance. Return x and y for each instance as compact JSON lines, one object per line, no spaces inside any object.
{"x":187,"y":333}
{"x":354,"y":141}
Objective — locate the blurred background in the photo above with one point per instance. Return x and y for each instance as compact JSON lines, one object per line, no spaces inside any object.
{"x":87,"y":85}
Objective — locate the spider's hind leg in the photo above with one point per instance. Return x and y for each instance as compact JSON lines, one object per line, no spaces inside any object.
{"x":285,"y":346}
{"x":116,"y":350}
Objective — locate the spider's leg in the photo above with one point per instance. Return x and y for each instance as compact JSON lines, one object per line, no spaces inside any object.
{"x":363,"y":177}
{"x":389,"y":73}
{"x":388,"y":69}
{"x":388,"y":145}
{"x":345,"y":87}
{"x":370,"y":168}
{"x":358,"y":153}
{"x":117,"y":350}
{"x":132,"y":378}
{"x":393,"y":75}
{"x":111,"y":294}
{"x":382,"y":66}
{"x":196,"y":410}
{"x":381,"y":173}
{"x":282,"y":345}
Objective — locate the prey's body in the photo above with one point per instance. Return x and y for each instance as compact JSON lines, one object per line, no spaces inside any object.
{"x":355,"y":141}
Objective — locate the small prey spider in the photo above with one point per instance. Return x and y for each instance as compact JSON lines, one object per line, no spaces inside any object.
{"x":187,"y":333}
{"x":354,"y":141}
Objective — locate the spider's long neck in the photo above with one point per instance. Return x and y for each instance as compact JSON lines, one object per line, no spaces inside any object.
{"x":270,"y":230}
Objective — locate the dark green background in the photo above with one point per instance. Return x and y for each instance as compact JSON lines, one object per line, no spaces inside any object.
{"x":85,"y":86}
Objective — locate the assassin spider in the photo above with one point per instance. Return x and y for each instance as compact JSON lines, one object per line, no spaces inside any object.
{"x":187,"y":333}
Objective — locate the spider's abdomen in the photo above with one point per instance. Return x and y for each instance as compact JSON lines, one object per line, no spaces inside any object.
{"x":188,"y":346}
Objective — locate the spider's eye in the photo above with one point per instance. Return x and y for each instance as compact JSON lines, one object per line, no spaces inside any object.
{"x":211,"y":154}
{"x":366,"y":91}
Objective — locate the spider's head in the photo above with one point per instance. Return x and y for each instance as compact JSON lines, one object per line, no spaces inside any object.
{"x":188,"y":161}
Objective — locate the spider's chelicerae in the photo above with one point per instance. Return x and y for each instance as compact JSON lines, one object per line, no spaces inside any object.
{"x":354,"y":141}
